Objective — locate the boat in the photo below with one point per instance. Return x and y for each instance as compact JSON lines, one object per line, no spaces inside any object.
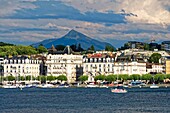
{"x":63,"y":86}
{"x":45,"y":86}
{"x":91,"y":85}
{"x":119,"y":89}
{"x":154,"y":86}
{"x":103,"y":86}
{"x":9,"y":86}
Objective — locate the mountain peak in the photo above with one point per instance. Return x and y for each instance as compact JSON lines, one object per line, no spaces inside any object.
{"x":73,"y":34}
{"x":73,"y":31}
{"x":75,"y":37}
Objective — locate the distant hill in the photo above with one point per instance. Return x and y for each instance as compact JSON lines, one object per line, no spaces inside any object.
{"x":74,"y":37}
{"x":6,"y":44}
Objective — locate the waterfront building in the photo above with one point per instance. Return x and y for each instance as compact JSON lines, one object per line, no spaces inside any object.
{"x":155,"y":68}
{"x":130,"y":65}
{"x":167,"y":68}
{"x":64,"y":63}
{"x":165,"y":45}
{"x":98,"y":64}
{"x":21,"y":66}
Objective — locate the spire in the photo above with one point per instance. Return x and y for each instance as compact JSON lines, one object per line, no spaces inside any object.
{"x":68,"y":50}
{"x":52,"y":50}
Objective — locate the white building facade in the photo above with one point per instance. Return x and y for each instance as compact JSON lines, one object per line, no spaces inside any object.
{"x":130,"y":67}
{"x":97,"y":65}
{"x":155,"y":68}
{"x":64,"y":64}
{"x":21,"y":66}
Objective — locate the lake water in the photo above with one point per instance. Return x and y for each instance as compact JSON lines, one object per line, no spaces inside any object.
{"x":84,"y":100}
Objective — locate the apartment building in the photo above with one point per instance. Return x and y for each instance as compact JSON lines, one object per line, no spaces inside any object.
{"x":64,"y":63}
{"x":167,"y":68}
{"x":98,"y":64}
{"x":130,"y":67}
{"x":155,"y":68}
{"x":21,"y":66}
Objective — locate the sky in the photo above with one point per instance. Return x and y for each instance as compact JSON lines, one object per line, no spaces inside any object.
{"x":114,"y":21}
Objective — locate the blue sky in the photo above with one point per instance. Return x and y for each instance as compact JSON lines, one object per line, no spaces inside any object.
{"x":114,"y":21}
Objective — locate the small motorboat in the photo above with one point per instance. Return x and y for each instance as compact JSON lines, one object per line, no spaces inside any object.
{"x":154,"y":86}
{"x":119,"y":89}
{"x":9,"y":86}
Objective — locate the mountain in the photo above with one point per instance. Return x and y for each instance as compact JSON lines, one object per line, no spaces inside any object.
{"x":74,"y":37}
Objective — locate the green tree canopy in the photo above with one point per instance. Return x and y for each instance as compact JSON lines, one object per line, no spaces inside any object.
{"x":154,"y":58}
{"x":62,"y":78}
{"x":111,"y":78}
{"x":41,"y":49}
{"x":43,"y":79}
{"x":135,"y":77}
{"x":159,"y":77}
{"x":146,"y":46}
{"x":99,"y":77}
{"x":17,"y":50}
{"x":123,"y":77}
{"x":10,"y":78}
{"x":168,"y":76}
{"x":21,"y":78}
{"x":109,"y":48}
{"x":28,"y":77}
{"x":83,"y":78}
{"x":50,"y":78}
{"x":60,"y":47}
{"x":91,"y":48}
{"x":146,"y":77}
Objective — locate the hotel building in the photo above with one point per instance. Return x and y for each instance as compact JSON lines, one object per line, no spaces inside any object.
{"x":21,"y":66}
{"x":64,"y":63}
{"x":97,"y":64}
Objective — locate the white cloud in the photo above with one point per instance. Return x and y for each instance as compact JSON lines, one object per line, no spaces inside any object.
{"x":8,"y":7}
{"x":147,"y":11}
{"x":154,"y":12}
{"x":10,"y":29}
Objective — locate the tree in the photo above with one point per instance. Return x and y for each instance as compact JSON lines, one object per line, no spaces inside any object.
{"x":10,"y":78}
{"x":50,"y":78}
{"x":62,"y":78}
{"x":146,"y":46}
{"x":168,"y":76}
{"x":28,"y":77}
{"x":83,"y":78}
{"x":123,"y":77}
{"x":111,"y":78}
{"x":109,"y":48}
{"x":135,"y":77}
{"x":60,"y":47}
{"x":43,"y":79}
{"x":159,"y":77}
{"x":154,"y":58}
{"x":41,"y":49}
{"x":99,"y":77}
{"x":22,"y":78}
{"x":146,"y":77}
{"x":79,"y":48}
{"x":92,"y":48}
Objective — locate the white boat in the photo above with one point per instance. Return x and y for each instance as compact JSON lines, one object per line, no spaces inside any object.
{"x":62,"y":86}
{"x":119,"y":89}
{"x":103,"y":86}
{"x":21,"y":86}
{"x":91,"y":86}
{"x":154,"y":86}
{"x":45,"y":86}
{"x":9,"y":86}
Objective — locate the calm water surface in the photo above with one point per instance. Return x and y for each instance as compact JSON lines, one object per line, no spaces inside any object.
{"x":84,"y":100}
